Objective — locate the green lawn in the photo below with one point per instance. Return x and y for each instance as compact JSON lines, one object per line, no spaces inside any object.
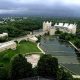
{"x":22,"y":48}
{"x":27,"y":47}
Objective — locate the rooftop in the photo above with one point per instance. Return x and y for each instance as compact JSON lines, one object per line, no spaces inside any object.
{"x":65,"y":25}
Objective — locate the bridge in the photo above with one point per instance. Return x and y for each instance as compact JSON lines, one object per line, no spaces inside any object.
{"x":27,"y":36}
{"x":39,"y":33}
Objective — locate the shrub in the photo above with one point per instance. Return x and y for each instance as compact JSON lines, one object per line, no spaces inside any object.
{"x":6,"y":57}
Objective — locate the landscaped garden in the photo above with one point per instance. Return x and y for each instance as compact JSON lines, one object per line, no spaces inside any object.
{"x":24,"y":47}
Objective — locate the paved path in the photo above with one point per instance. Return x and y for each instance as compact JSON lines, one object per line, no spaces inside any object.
{"x":74,"y":46}
{"x":40,"y":48}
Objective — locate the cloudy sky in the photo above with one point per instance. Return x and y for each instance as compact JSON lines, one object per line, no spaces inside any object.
{"x":48,"y":7}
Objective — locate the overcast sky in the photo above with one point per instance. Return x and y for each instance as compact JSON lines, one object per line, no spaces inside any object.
{"x":61,"y":7}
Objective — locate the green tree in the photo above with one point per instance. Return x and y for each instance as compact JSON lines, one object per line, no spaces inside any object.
{"x":58,"y":31}
{"x":3,"y":74}
{"x":20,"y":68}
{"x":39,"y":38}
{"x":62,"y":36}
{"x":63,"y":75}
{"x":48,"y":66}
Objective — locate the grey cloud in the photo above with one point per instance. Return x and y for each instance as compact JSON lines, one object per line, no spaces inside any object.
{"x":54,"y":7}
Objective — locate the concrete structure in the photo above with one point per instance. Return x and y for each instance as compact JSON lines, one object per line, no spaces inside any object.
{"x":3,"y":35}
{"x":46,"y":26}
{"x":8,"y":45}
{"x":64,"y":27}
{"x":52,"y":31}
{"x":32,"y":38}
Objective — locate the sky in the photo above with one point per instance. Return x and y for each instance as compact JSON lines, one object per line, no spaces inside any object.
{"x":44,"y":7}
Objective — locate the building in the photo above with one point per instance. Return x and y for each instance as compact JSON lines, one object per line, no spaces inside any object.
{"x":64,"y":27}
{"x":32,"y":38}
{"x":52,"y":31}
{"x":46,"y":26}
{"x":8,"y":45}
{"x":3,"y":35}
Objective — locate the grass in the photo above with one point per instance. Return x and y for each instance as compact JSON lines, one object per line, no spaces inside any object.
{"x":22,"y":48}
{"x":27,"y":47}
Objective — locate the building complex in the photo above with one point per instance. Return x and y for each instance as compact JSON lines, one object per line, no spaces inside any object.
{"x":64,"y":27}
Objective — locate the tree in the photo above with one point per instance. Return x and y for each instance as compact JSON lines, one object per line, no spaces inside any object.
{"x":47,"y":66}
{"x":3,"y":74}
{"x":67,"y":76}
{"x":63,"y":75}
{"x":62,"y":36}
{"x":77,"y":42}
{"x":58,"y":31}
{"x":39,"y":38}
{"x":20,"y":68}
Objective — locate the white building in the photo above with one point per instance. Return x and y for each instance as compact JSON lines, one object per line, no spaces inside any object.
{"x":52,"y":31}
{"x":8,"y":45}
{"x":46,"y":26}
{"x":3,"y":35}
{"x":64,"y":27}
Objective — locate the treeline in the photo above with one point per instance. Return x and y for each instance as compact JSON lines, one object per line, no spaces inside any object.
{"x":20,"y":28}
{"x":75,"y":39}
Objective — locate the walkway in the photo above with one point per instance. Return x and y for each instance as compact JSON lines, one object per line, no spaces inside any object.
{"x":40,"y":48}
{"x":74,"y":46}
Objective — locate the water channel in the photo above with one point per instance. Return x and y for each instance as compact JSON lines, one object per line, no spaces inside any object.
{"x":62,"y":50}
